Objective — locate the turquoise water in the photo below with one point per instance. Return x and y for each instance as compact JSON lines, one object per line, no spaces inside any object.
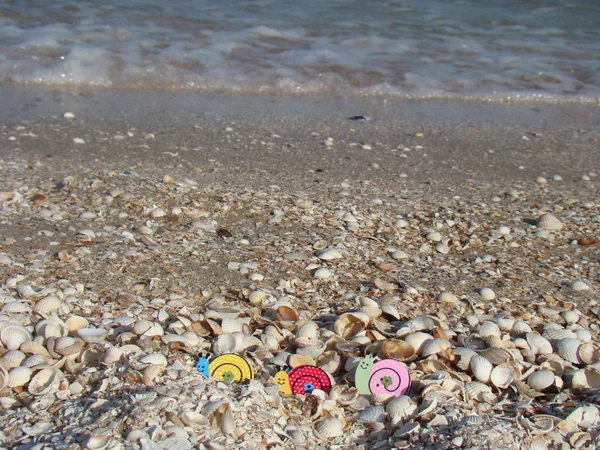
{"x":430,"y":48}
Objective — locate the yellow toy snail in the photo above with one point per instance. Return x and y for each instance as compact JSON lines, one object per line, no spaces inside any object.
{"x":228,"y":367}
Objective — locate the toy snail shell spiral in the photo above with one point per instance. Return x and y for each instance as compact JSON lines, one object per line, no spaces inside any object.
{"x":383,"y":377}
{"x":302,"y":380}
{"x":227,"y":367}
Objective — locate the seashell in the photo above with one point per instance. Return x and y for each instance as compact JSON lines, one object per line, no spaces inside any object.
{"x":397,"y":349}
{"x":10,"y":198}
{"x":286,"y":313}
{"x":434,"y":346}
{"x":257,"y":297}
{"x":372,"y":414}
{"x":549,"y":222}
{"x":465,"y":355}
{"x":489,"y":329}
{"x":50,"y":328}
{"x":447,"y":297}
{"x":323,"y":273}
{"x":328,"y":254}
{"x":504,"y":323}
{"x":417,"y":340}
{"x":570,"y":316}
{"x":588,"y":378}
{"x":540,"y":380}
{"x":64,"y":346}
{"x":520,"y":328}
{"x":300,"y":360}
{"x":98,"y":442}
{"x":14,"y":335}
{"x":330,"y":362}
{"x":47,"y":305}
{"x":32,"y":347}
{"x":487,"y":294}
{"x":568,"y":349}
{"x":475,"y":342}
{"x":227,"y":423}
{"x":350,"y":324}
{"x":230,"y":368}
{"x":92,"y":335}
{"x":421,"y":323}
{"x":481,"y":368}
{"x":538,"y":344}
{"x":246,"y":341}
{"x":19,"y":376}
{"x":502,"y":375}
{"x":329,"y":428}
{"x":479,"y":392}
{"x":176,"y":443}
{"x":583,"y":335}
{"x":400,"y":408}
{"x":16,"y":307}
{"x":303,"y":380}
{"x":496,"y":355}
{"x":588,"y":353}
{"x":111,"y":356}
{"x":45,"y":381}
{"x":152,"y":371}
{"x":225,"y":343}
{"x":556,"y":334}
{"x":311,"y":351}
{"x":156,"y":359}
{"x":36,"y":359}
{"x":12,"y":359}
{"x":496,"y":342}
{"x":579,"y":286}
{"x":309,"y":330}
{"x":230,"y":325}
{"x":75,"y":323}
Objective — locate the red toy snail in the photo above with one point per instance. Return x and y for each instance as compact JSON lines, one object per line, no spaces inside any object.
{"x":302,"y":380}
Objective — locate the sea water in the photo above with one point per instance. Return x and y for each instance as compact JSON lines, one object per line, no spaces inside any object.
{"x":491,"y":49}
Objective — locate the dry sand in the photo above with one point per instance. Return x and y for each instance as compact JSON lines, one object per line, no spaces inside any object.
{"x":262,"y":182}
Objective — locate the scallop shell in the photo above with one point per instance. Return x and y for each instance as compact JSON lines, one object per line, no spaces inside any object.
{"x":555,"y":334}
{"x":75,"y":323}
{"x":13,"y":358}
{"x":329,"y":428}
{"x":350,"y":324}
{"x":16,"y":307}
{"x":538,"y":344}
{"x":111,"y":355}
{"x":503,"y":375}
{"x":549,"y":222}
{"x":489,"y":329}
{"x":308,"y":330}
{"x":496,"y":355}
{"x":225,"y":343}
{"x":45,"y":381}
{"x":50,"y":328}
{"x":479,"y":392}
{"x":421,"y":323}
{"x":520,"y":327}
{"x":588,"y":353}
{"x":481,"y":368}
{"x":37,"y":359}
{"x":311,"y":350}
{"x":300,"y":360}
{"x":48,"y":305}
{"x":540,"y":380}
{"x":570,"y":316}
{"x":156,"y":359}
{"x":92,"y":335}
{"x":32,"y":347}
{"x":372,"y":414}
{"x":568,"y":349}
{"x":417,"y":340}
{"x":400,"y":407}
{"x":579,"y":286}
{"x":230,"y":325}
{"x":19,"y":376}
{"x":14,"y":335}
{"x":434,"y":346}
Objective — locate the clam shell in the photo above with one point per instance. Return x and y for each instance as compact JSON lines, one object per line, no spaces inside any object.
{"x":75,"y":323}
{"x":230,"y":325}
{"x":50,"y":328}
{"x":45,"y":381}
{"x":520,"y":327}
{"x":568,"y":349}
{"x":421,"y":323}
{"x":588,"y":353}
{"x":372,"y":414}
{"x":309,"y":330}
{"x":489,"y":329}
{"x":111,"y":355}
{"x":328,"y":254}
{"x":152,"y":371}
{"x":300,"y":360}
{"x":540,"y":380}
{"x":329,"y":428}
{"x":434,"y":346}
{"x":350,"y":324}
{"x":400,"y":407}
{"x":571,"y":316}
{"x":417,"y":340}
{"x":14,"y":335}
{"x":496,"y":355}
{"x":65,"y":346}
{"x":555,"y":334}
{"x":12,"y":359}
{"x":47,"y":305}
{"x":479,"y":392}
{"x":92,"y":335}
{"x":397,"y":349}
{"x":481,"y":368}
{"x":549,"y":222}
{"x":311,"y":350}
{"x":503,"y":375}
{"x":538,"y":344}
{"x":32,"y":347}
{"x":157,"y":359}
{"x":330,"y":362}
{"x":286,"y":313}
{"x":16,"y":307}
{"x":588,"y":378}
{"x":19,"y":376}
{"x":225,"y":343}
{"x":579,"y":286}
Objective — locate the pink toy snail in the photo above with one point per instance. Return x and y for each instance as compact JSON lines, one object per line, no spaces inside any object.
{"x":383,"y":377}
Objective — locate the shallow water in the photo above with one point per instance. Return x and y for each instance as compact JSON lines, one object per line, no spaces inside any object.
{"x":432,"y":48}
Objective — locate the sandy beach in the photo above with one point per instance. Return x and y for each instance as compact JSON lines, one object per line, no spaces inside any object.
{"x":170,"y":225}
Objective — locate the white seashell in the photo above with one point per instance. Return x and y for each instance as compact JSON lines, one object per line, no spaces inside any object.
{"x":538,"y":344}
{"x":152,"y":371}
{"x":175,"y":443}
{"x":503,"y":375}
{"x":588,"y":353}
{"x":329,"y":254}
{"x":479,"y":392}
{"x":14,"y":335}
{"x":350,"y":324}
{"x":323,"y":273}
{"x":98,"y":442}
{"x":434,"y":346}
{"x":142,"y":326}
{"x":75,"y":323}
{"x":157,"y":359}
{"x":549,"y":222}
{"x":487,"y":294}
{"x":257,"y":297}
{"x":92,"y":335}
{"x":579,"y":286}
{"x":504,"y":323}
{"x":329,"y":428}
{"x":225,"y":343}
{"x":568,"y":349}
{"x":309,"y":330}
{"x":32,"y":347}
{"x":19,"y":376}
{"x":583,"y":335}
{"x":417,"y":340}
{"x":372,"y":414}
{"x":47,"y":305}
{"x":65,"y":346}
{"x":230,"y":325}
{"x":570,"y":316}
{"x":556,"y":334}
{"x":194,"y":419}
{"x":329,"y":361}
{"x":421,"y":323}
{"x":36,"y":359}
{"x":540,"y":380}
{"x":16,"y":307}
{"x":111,"y":355}
{"x":311,"y":350}
{"x":588,"y":378}
{"x":520,"y":327}
{"x":465,"y":355}
{"x":45,"y":381}
{"x":481,"y":368}
{"x":447,"y":297}
{"x":400,"y":407}
{"x":50,"y":328}
{"x":496,"y":355}
{"x":12,"y":359}
{"x":227,"y":425}
{"x":489,"y":329}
